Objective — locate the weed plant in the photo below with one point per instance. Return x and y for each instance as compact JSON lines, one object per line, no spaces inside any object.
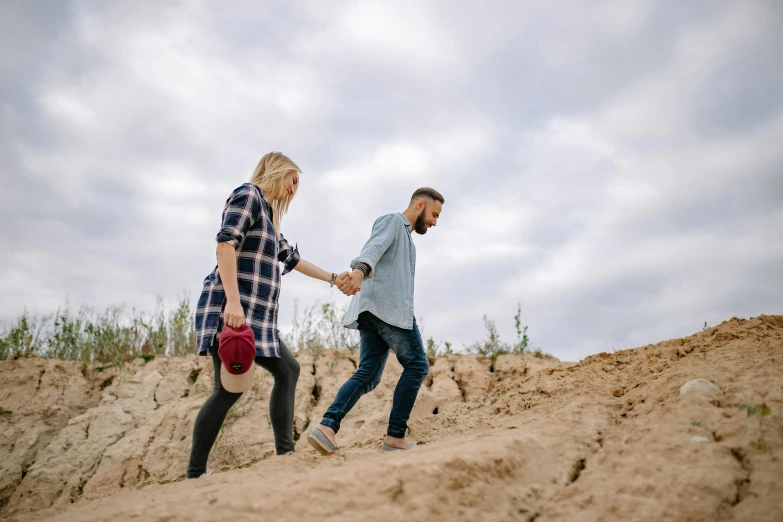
{"x":491,"y":347}
{"x":760,"y":412}
{"x":320,"y":327}
{"x":112,"y":336}
{"x":118,"y":333}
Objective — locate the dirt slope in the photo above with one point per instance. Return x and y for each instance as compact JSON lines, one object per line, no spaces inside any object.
{"x":610,"y":438}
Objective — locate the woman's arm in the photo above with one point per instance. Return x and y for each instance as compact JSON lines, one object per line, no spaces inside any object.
{"x":242,"y":210}
{"x":233,"y":315}
{"x":307,"y":268}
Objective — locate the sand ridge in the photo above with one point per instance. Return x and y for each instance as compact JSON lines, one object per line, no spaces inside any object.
{"x":523,"y":438}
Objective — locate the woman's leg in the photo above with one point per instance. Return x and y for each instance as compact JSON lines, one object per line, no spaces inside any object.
{"x":285,"y":370}
{"x":209,"y":420}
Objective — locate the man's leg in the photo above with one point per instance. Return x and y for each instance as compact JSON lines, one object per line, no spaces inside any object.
{"x":408,"y":347}
{"x":373,"y":353}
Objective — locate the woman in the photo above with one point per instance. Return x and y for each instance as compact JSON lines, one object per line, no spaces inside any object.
{"x":244,"y":289}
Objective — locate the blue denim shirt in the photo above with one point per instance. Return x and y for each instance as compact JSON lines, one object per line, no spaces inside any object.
{"x":387,"y":291}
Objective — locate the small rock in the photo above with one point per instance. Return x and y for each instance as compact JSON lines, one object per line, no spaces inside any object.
{"x":698,"y":439}
{"x":618,"y":392}
{"x":698,"y":385}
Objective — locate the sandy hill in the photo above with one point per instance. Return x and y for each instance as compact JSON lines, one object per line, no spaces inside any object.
{"x":616,"y":437}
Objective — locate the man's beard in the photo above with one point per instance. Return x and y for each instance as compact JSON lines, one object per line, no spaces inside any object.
{"x":420,"y":227}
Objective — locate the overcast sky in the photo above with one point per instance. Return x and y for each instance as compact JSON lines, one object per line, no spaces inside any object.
{"x":615,"y":167}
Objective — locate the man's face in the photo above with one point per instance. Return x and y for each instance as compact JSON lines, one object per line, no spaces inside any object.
{"x":428,"y":217}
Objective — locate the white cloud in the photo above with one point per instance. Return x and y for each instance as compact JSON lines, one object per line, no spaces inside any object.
{"x":580,"y":178}
{"x":405,"y":34}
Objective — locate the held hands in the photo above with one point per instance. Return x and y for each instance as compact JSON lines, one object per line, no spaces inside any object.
{"x":234,"y":315}
{"x":350,"y":283}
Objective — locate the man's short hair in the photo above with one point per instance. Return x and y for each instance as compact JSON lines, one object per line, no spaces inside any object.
{"x":426,"y":192}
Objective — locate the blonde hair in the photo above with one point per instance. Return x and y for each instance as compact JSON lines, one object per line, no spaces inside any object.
{"x":268,"y":176}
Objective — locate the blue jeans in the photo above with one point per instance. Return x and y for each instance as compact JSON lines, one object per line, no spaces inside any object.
{"x":377,"y":338}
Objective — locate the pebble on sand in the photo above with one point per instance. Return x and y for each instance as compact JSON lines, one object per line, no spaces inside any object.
{"x":699,"y":439}
{"x":698,"y":385}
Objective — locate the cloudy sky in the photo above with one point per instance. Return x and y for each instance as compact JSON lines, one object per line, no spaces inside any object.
{"x":616,"y":167}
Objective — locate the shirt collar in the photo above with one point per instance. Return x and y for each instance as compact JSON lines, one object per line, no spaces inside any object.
{"x":407,"y":223}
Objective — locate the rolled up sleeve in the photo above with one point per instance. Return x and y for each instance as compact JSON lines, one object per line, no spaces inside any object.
{"x":287,"y":255}
{"x":383,"y":232}
{"x":243,"y":208}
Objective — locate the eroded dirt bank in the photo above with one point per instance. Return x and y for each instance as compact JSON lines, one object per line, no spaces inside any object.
{"x":609,"y":438}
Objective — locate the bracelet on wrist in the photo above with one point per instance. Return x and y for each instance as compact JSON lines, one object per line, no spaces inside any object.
{"x":334,"y":278}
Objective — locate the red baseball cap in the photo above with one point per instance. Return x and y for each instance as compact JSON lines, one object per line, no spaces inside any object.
{"x":237,"y":351}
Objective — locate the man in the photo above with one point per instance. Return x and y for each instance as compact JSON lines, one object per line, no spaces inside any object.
{"x":383,"y":314}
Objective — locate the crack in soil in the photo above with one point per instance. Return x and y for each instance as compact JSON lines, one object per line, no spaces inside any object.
{"x":462,"y":389}
{"x":88,"y":474}
{"x":315,"y":394}
{"x":743,"y":482}
{"x":579,"y":466}
{"x":155,"y":395}
{"x":107,"y":382}
{"x":40,"y":380}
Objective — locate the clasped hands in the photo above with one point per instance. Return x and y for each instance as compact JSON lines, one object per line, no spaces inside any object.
{"x":350,"y":283}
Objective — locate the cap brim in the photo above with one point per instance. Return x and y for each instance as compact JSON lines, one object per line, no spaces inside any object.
{"x":237,"y":383}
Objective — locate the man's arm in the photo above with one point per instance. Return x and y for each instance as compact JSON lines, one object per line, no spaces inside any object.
{"x":383,"y":232}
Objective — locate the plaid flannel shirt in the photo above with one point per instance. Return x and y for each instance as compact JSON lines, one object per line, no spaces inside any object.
{"x":247,"y":226}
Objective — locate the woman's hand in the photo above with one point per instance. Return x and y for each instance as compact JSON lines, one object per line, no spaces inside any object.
{"x":233,"y":315}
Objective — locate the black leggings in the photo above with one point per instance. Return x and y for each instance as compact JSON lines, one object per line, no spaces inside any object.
{"x":285,"y":370}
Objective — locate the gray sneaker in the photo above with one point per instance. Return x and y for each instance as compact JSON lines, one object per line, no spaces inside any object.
{"x":320,"y":442}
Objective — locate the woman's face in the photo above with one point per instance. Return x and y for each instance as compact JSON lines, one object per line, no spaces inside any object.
{"x":290,"y":184}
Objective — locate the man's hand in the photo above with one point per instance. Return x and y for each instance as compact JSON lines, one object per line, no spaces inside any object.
{"x":234,"y":315}
{"x":350,"y":283}
{"x":343,"y":281}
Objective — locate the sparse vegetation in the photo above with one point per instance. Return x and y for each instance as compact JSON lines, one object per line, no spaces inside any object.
{"x":112,"y":336}
{"x":491,"y":347}
{"x":195,"y":386}
{"x":522,"y":338}
{"x":5,"y":413}
{"x":541,"y":354}
{"x":106,"y":339}
{"x":434,"y":349}
{"x":760,"y":411}
{"x":320,"y":328}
